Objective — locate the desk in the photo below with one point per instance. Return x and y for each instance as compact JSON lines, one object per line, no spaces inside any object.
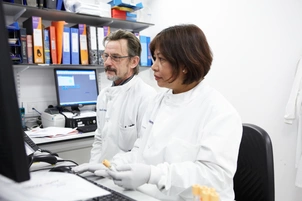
{"x":137,"y":195}
{"x":75,"y":147}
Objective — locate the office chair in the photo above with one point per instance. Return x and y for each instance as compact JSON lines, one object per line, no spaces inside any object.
{"x":254,"y":178}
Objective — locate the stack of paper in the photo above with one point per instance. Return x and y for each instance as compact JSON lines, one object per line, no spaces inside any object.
{"x":51,"y":132}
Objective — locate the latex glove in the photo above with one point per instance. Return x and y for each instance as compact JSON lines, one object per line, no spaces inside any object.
{"x":130,"y":176}
{"x":89,"y":167}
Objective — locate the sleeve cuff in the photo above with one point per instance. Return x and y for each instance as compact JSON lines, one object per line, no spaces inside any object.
{"x":155,"y":177}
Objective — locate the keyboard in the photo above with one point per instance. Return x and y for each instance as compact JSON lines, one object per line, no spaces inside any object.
{"x":114,"y":196}
{"x":87,"y":128}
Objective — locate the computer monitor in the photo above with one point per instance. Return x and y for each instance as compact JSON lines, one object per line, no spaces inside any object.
{"x":76,"y":87}
{"x":13,"y":159}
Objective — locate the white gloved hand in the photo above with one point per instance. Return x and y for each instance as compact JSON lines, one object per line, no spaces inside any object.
{"x":89,"y":167}
{"x":131,"y":176}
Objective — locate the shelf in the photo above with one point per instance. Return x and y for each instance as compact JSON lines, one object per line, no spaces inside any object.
{"x":56,"y":15}
{"x":22,"y":67}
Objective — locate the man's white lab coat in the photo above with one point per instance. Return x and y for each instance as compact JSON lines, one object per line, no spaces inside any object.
{"x":120,"y":110}
{"x":188,"y":138}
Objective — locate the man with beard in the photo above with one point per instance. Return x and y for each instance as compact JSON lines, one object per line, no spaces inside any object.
{"x":120,"y":107}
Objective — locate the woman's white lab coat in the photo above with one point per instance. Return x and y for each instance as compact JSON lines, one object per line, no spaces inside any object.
{"x":293,"y":113}
{"x":189,"y":138}
{"x":120,"y":110}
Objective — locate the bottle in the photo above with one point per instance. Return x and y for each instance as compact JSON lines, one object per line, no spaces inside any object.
{"x":196,"y":192}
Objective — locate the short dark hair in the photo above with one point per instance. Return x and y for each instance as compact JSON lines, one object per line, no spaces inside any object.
{"x":184,"y":45}
{"x":133,"y":43}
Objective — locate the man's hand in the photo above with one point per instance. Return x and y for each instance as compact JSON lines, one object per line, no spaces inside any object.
{"x":131,"y":176}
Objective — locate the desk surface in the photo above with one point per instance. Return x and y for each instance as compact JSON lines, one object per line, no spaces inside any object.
{"x":132,"y":194}
{"x":136,"y":195}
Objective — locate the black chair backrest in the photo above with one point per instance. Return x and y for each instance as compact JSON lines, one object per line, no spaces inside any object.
{"x":254,"y":178}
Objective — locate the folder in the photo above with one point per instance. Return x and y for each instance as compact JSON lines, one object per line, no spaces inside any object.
{"x":29,"y":44}
{"x":92,"y":45}
{"x":83,"y":43}
{"x":106,"y":30}
{"x":144,"y":53}
{"x":59,"y":4}
{"x":100,"y":46}
{"x":66,"y":46}
{"x":23,"y":45}
{"x":52,"y":44}
{"x":59,"y":27}
{"x":74,"y":45}
{"x":46,"y":47}
{"x":33,"y":27}
{"x":149,"y":56}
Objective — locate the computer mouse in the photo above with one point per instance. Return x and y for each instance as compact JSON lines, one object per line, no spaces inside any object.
{"x":66,"y":169}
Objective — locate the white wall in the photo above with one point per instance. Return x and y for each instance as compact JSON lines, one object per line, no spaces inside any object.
{"x":256,"y":46}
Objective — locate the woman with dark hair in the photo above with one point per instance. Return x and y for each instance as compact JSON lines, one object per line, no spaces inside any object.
{"x":190,"y":133}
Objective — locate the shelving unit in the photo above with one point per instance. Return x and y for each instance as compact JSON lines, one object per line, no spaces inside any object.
{"x":33,"y":90}
{"x":18,"y":11}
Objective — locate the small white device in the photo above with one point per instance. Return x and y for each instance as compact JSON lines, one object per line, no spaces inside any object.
{"x":51,"y":118}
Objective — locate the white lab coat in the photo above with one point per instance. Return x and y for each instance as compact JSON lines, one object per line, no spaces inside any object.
{"x":188,"y":138}
{"x":120,"y":110}
{"x":293,"y":113}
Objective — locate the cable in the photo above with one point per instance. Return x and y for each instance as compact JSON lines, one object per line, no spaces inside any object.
{"x":68,"y":161}
{"x":36,"y":111}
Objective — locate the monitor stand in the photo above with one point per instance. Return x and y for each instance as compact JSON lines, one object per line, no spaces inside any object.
{"x":75,"y":110}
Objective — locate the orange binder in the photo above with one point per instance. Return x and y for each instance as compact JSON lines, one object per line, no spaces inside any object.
{"x":59,"y":26}
{"x":83,"y":43}
{"x":52,"y":41}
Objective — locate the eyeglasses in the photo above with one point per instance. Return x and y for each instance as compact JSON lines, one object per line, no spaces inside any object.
{"x":114,"y":58}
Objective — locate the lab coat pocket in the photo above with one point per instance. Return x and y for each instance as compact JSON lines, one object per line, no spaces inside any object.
{"x":127,"y":137}
{"x":179,"y":150}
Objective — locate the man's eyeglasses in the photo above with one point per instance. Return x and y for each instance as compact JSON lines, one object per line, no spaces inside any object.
{"x":114,"y":58}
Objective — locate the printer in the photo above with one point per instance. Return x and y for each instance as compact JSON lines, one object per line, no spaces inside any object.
{"x":52,"y":118}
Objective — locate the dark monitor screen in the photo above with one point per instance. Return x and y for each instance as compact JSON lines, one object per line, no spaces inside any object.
{"x":13,"y":158}
{"x":76,"y":87}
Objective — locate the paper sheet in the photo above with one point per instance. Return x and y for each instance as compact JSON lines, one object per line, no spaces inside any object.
{"x":51,"y":132}
{"x":62,"y":186}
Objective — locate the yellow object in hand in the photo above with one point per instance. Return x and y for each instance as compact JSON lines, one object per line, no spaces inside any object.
{"x":106,"y":163}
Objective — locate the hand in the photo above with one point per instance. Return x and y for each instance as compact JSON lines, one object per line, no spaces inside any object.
{"x":89,"y":167}
{"x":131,"y":176}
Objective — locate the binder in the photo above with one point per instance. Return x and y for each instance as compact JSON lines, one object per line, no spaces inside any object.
{"x":23,"y":45}
{"x":106,"y":30}
{"x":52,"y":44}
{"x":144,"y":53}
{"x":50,"y":4}
{"x":66,"y":46}
{"x":59,"y":27}
{"x":29,"y":44}
{"x":92,"y":45}
{"x":74,"y":45}
{"x":33,"y":27}
{"x":59,"y":4}
{"x":83,"y":44}
{"x":149,"y":56}
{"x":100,"y":46}
{"x":46,"y":47}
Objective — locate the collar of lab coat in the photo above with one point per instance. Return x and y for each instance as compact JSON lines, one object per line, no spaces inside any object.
{"x":185,"y":97}
{"x":113,"y":91}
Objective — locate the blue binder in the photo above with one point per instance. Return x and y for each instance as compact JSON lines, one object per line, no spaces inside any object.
{"x":66,"y":46}
{"x":145,"y":59}
{"x":74,"y":46}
